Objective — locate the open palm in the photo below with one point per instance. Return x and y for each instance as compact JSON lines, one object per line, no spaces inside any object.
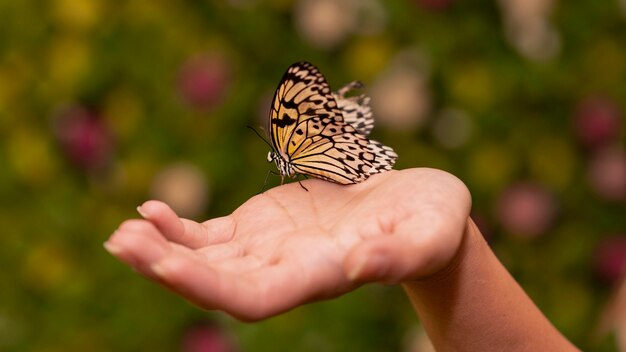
{"x":287,"y":246}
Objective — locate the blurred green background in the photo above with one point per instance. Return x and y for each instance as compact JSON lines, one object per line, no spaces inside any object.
{"x":106,"y":104}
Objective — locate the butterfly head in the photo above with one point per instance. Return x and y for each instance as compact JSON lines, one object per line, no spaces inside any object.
{"x":283,"y":166}
{"x":271,"y":156}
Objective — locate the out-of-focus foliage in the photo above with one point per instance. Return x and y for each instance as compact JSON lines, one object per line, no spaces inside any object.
{"x":106,"y":104}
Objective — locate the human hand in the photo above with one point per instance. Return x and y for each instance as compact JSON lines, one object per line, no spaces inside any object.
{"x":287,"y":246}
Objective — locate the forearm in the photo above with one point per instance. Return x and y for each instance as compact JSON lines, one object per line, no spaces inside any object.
{"x":475,"y":305}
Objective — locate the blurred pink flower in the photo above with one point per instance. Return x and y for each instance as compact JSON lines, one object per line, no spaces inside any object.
{"x":184,"y":187}
{"x":84,"y":137}
{"x":203,"y":81}
{"x":401,"y":97}
{"x":526,"y":209}
{"x":326,"y":24}
{"x":529,"y":29}
{"x":607,"y":173}
{"x":610,"y":259}
{"x":597,"y":121}
{"x":207,"y":337}
{"x":435,"y":5}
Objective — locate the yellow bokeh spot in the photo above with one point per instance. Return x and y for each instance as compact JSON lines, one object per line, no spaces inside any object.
{"x":366,"y":57}
{"x":82,"y":14}
{"x":472,"y":85}
{"x":138,"y":171}
{"x":491,"y":167}
{"x":31,"y":156}
{"x":552,"y":161}
{"x":68,"y":60}
{"x":46,"y":267}
{"x":15,"y":75}
{"x":123,"y":112}
{"x":140,"y":11}
{"x":605,"y":64}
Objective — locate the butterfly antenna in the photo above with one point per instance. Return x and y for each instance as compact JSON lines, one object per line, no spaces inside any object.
{"x":260,"y":136}
{"x":265,"y":182}
{"x":266,"y":178}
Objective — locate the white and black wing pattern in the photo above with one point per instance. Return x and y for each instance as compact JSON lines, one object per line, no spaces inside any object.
{"x":356,"y":110}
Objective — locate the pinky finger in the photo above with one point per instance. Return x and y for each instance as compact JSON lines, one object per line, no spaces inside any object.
{"x":208,"y":287}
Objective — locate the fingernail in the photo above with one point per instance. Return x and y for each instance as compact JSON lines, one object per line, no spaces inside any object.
{"x":372,"y":267}
{"x":111,"y":248}
{"x":158,"y":270}
{"x":140,"y":211}
{"x":357,"y":269}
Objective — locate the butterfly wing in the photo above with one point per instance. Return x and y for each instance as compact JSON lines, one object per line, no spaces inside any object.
{"x":301,"y":95}
{"x":335,"y":152}
{"x":356,"y":109}
{"x":308,"y":130}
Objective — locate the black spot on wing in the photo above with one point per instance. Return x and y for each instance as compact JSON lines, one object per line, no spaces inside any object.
{"x":284,"y":121}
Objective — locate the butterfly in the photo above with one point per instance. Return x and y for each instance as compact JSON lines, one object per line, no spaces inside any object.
{"x":318,"y":133}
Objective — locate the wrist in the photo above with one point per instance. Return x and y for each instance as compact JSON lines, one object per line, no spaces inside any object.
{"x":473,"y":303}
{"x":470,"y":236}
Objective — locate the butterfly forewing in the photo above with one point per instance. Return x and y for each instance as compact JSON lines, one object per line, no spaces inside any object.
{"x":309,"y":133}
{"x":303,"y":94}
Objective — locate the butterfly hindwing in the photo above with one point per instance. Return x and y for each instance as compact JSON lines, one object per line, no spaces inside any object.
{"x":311,"y":135}
{"x":356,"y":109}
{"x":341,"y":156}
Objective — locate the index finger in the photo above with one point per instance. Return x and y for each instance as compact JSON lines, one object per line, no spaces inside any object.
{"x":184,"y":231}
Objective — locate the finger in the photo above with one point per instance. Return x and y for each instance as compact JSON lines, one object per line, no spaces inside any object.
{"x":248,"y":295}
{"x":413,"y":252}
{"x":138,"y":244}
{"x":170,"y":225}
{"x":209,"y":287}
{"x":183,"y":231}
{"x":285,"y":285}
{"x":219,"y":230}
{"x":222,"y":251}
{"x":239,"y":265}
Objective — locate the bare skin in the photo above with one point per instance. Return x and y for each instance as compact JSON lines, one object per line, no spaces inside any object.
{"x":287,"y":247}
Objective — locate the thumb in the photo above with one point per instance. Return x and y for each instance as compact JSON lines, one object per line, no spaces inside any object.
{"x":370,"y":262}
{"x":367,"y":267}
{"x":399,"y":257}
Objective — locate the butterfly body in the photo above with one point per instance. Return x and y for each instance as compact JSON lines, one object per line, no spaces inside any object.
{"x":322,"y":134}
{"x":283,"y":166}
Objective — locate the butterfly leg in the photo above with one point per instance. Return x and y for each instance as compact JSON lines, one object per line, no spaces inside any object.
{"x":267,"y":176}
{"x":265,"y":182}
{"x":301,"y":185}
